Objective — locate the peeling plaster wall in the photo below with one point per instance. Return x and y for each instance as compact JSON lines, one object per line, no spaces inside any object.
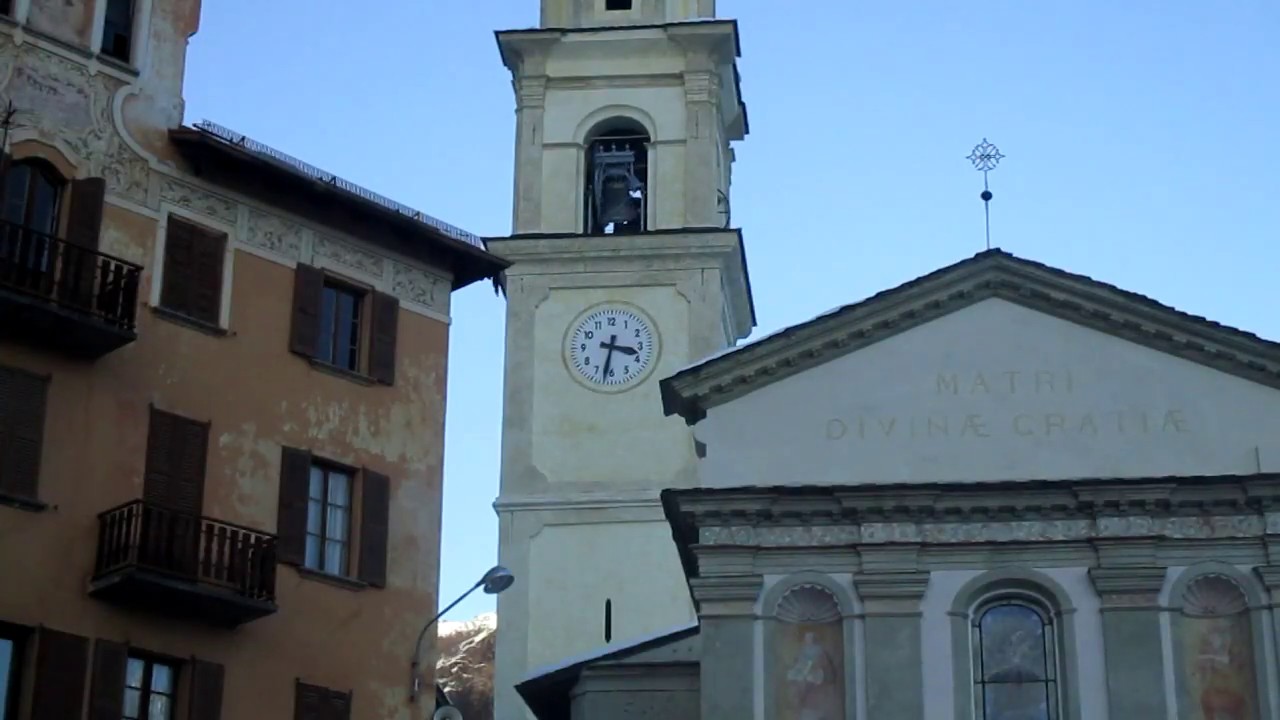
{"x":254,"y":392}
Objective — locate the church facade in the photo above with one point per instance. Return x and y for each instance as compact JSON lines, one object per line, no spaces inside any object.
{"x":998,"y":491}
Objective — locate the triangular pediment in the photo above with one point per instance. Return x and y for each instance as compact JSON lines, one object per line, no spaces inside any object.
{"x":993,"y":274}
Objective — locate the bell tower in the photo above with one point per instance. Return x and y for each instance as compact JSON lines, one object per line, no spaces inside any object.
{"x":626,"y":268}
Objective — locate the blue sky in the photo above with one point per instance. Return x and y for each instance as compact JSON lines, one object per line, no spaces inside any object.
{"x":1142,"y":142}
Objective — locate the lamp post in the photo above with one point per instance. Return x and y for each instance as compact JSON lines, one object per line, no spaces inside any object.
{"x":495,"y":581}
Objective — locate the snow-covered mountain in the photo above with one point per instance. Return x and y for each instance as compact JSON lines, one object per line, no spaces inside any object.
{"x":465,"y":665}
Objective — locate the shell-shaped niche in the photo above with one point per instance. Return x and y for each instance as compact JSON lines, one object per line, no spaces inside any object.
{"x":808,"y":604}
{"x":1213,"y":595}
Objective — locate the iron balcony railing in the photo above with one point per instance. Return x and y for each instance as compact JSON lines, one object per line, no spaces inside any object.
{"x":193,"y":548}
{"x":72,"y":277}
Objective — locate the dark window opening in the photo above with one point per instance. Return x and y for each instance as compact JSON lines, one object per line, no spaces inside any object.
{"x":11,"y":654}
{"x":617,"y":4}
{"x":608,"y":620}
{"x":617,"y":171}
{"x":1014,"y":662}
{"x":340,"y":326}
{"x":117,"y":30}
{"x":328,"y":520}
{"x":148,"y":690}
{"x":5,"y":9}
{"x":32,"y":195}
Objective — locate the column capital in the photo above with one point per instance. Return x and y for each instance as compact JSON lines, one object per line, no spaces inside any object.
{"x":897,"y":593}
{"x":729,"y":595}
{"x":1128,"y":587}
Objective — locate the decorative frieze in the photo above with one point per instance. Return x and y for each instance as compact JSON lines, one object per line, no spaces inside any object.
{"x":198,"y":201}
{"x":417,"y":286}
{"x":349,"y":256}
{"x":275,"y":235}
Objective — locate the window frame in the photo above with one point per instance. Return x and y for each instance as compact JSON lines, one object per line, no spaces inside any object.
{"x":18,"y":636}
{"x":37,"y":167}
{"x":1050,"y":655}
{"x":330,"y":468}
{"x":210,"y":232}
{"x":150,"y":660}
{"x":131,"y":36}
{"x":330,"y":328}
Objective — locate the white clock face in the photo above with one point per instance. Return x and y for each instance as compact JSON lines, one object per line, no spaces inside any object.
{"x":611,"y":347}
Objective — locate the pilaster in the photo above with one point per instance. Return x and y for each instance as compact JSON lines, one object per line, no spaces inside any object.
{"x":892,"y":632}
{"x":1133,"y":646}
{"x":1270,"y":577}
{"x":726,"y":614}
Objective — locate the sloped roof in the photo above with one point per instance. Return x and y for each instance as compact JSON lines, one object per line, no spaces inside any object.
{"x":992,"y":273}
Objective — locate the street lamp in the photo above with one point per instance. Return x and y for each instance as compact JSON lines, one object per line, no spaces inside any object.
{"x":495,"y":581}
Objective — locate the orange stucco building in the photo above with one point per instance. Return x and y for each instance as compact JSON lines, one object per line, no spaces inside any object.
{"x":222,"y":394}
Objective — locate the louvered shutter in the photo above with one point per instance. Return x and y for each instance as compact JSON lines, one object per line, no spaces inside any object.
{"x":309,"y":701}
{"x":206,"y":288}
{"x":62,"y":659}
{"x":179,"y":267}
{"x":375,"y":510}
{"x":291,"y":517}
{"x":308,"y":290}
{"x":337,"y":706}
{"x":382,"y":351}
{"x":23,"y":397}
{"x":106,"y":692}
{"x":176,"y":458}
{"x":207,"y":679}
{"x":84,"y":219}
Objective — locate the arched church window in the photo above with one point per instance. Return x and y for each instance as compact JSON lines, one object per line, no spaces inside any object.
{"x":809,"y":654}
{"x":1218,"y":666}
{"x":1014,"y":661}
{"x":32,"y":195}
{"x":617,"y":172}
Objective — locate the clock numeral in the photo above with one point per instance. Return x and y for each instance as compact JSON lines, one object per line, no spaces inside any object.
{"x":613,"y":321}
{"x":588,"y":334}
{"x":612,"y":371}
{"x":637,"y":332}
{"x":626,"y":370}
{"x":586,"y":360}
{"x":598,"y":325}
{"x":583,"y":347}
{"x":639,"y":346}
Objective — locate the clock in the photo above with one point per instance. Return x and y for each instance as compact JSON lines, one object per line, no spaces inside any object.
{"x":611,"y":347}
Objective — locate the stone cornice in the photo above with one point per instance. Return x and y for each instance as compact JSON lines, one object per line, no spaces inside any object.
{"x":901,"y":586}
{"x":1111,"y":513}
{"x":992,"y":274}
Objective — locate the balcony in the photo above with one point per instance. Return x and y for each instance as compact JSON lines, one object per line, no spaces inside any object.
{"x":197,"y":568}
{"x":63,"y":296}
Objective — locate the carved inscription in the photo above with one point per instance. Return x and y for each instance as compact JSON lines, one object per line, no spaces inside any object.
{"x":1019,"y":403}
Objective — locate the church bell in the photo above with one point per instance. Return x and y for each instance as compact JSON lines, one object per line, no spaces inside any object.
{"x":618,"y":192}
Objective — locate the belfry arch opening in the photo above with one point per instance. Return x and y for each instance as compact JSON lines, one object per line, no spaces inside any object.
{"x":617,"y":192}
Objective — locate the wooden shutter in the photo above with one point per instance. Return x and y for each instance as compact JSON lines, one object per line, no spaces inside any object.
{"x":337,"y":706}
{"x":382,"y":350}
{"x":106,"y":693}
{"x":308,"y":291}
{"x":375,"y":502}
{"x":192,"y":281}
{"x":5,"y":161}
{"x":291,"y":517}
{"x":206,"y":690}
{"x":176,"y":458}
{"x":308,"y":701}
{"x":84,"y":219}
{"x":23,"y":397}
{"x":62,"y":659}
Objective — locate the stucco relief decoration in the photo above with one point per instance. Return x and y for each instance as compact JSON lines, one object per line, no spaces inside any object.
{"x":415,"y":285}
{"x":275,"y":235}
{"x":1217,"y":671}
{"x":808,"y":683}
{"x":198,"y":201}
{"x":349,"y":256}
{"x":63,"y":104}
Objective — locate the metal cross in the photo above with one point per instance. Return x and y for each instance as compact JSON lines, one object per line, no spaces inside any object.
{"x":986,"y":157}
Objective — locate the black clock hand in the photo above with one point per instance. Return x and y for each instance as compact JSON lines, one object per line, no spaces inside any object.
{"x":625,"y":350}
{"x":608,"y":358}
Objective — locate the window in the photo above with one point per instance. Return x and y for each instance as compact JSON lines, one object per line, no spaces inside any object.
{"x":32,"y":196}
{"x":340,"y":325}
{"x":317,"y":522}
{"x":117,"y":30}
{"x":10,"y":666}
{"x":191,"y":284}
{"x":340,"y":312}
{"x":312,"y":702}
{"x":23,"y":397}
{"x":328,"y":520}
{"x":1014,"y":661}
{"x":148,"y":690}
{"x":617,"y":4}
{"x":5,"y":9}
{"x":617,"y":172}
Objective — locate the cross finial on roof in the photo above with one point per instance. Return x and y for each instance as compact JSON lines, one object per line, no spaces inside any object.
{"x":986,"y":157}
